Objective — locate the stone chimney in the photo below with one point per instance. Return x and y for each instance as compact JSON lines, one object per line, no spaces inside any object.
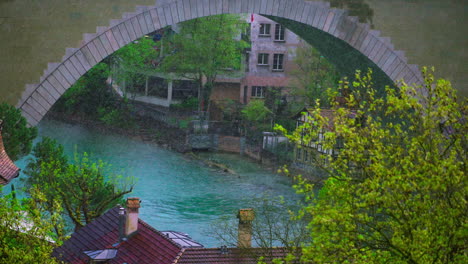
{"x":244,"y":238}
{"x":131,"y":223}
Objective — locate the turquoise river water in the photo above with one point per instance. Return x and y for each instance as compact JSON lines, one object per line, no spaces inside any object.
{"x":177,"y":193}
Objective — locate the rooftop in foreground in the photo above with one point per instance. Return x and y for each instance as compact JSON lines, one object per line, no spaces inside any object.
{"x":119,"y":236}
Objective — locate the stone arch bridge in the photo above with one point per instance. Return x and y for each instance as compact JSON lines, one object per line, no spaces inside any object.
{"x":348,"y":43}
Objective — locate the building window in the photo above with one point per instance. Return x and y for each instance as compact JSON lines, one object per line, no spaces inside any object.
{"x":263,"y":59}
{"x":264,"y":30}
{"x":258,"y":91}
{"x":279,"y":32}
{"x":278,"y":62}
{"x":306,"y":156}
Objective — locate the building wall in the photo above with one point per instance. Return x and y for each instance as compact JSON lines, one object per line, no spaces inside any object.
{"x":266,"y":75}
{"x":262,"y":75}
{"x":225,"y":90}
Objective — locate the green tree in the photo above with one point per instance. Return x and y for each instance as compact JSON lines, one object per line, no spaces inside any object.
{"x":202,"y":49}
{"x":83,"y":188}
{"x":134,"y":61}
{"x":92,"y":97}
{"x":25,"y":235}
{"x":256,"y":118}
{"x":88,"y":94}
{"x":313,"y":76}
{"x":17,"y":136}
{"x":397,"y":191}
{"x":256,"y":112}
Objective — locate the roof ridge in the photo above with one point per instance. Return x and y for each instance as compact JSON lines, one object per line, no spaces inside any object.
{"x":159,"y":233}
{"x":176,"y":260}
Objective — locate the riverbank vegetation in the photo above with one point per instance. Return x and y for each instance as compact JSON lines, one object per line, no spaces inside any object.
{"x":396,"y":192}
{"x":91,"y":97}
{"x":85,"y":189}
{"x":17,"y":137}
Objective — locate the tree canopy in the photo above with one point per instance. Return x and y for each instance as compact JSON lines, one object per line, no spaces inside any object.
{"x":88,"y":94}
{"x":17,"y":137}
{"x":202,"y":49}
{"x":397,"y":191}
{"x":135,"y":60}
{"x":25,"y":235}
{"x":313,"y":76}
{"x":83,"y":188}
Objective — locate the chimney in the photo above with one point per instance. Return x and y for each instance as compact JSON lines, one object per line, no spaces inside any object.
{"x":131,"y":224}
{"x":246,"y":216}
{"x":121,"y":223}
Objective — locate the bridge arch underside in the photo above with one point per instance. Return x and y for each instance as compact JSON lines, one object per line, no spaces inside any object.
{"x":343,"y":56}
{"x":345,"y":42}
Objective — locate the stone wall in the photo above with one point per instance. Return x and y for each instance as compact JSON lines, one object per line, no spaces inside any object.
{"x":231,"y":144}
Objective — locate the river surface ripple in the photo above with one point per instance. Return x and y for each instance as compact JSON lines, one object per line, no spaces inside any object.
{"x":177,"y":193}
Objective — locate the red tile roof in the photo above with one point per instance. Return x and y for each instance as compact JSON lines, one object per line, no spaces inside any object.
{"x":150,"y":246}
{"x":8,"y":169}
{"x":147,"y":246}
{"x":232,"y":256}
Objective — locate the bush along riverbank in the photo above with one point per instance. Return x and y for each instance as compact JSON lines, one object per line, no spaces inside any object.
{"x":137,"y":127}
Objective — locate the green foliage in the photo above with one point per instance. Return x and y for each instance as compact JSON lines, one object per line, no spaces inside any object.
{"x":138,"y":54}
{"x":397,"y":191}
{"x":25,"y":234}
{"x":135,"y":59}
{"x":88,"y":93}
{"x":256,"y":112}
{"x":109,"y":116}
{"x":46,"y":151}
{"x":287,"y":122}
{"x":190,"y":103}
{"x":274,"y":100}
{"x":118,"y":115}
{"x":202,"y":49}
{"x":256,"y":118}
{"x":83,"y":188}
{"x":92,"y":96}
{"x":184,"y":124}
{"x":231,"y":109}
{"x":17,"y":137}
{"x":313,"y":76}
